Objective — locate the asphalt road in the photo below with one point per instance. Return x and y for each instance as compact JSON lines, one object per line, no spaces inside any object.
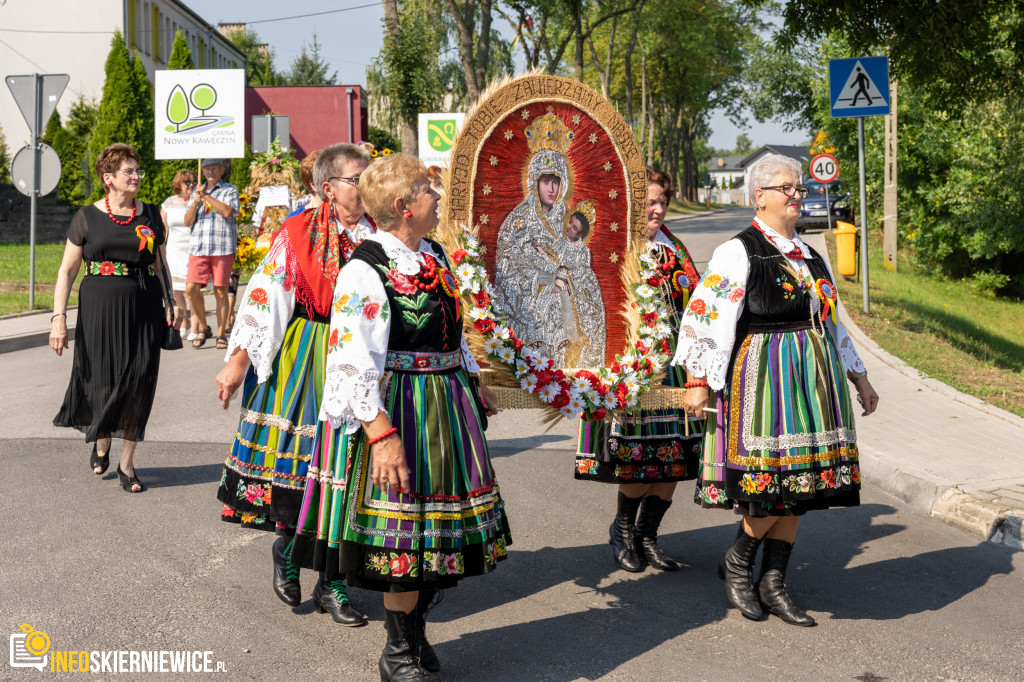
{"x":896,"y":595}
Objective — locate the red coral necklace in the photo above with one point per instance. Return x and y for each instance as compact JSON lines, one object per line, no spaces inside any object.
{"x":110,"y":213}
{"x":426,"y":278}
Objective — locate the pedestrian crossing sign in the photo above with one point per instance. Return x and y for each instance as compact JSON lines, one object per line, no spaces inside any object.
{"x":859,"y":86}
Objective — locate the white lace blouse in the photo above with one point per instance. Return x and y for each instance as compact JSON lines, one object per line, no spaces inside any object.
{"x":267,"y":307}
{"x":360,"y":328}
{"x":707,"y":332}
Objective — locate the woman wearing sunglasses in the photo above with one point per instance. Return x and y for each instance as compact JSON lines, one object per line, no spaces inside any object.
{"x":173,"y":213}
{"x":771,"y":360}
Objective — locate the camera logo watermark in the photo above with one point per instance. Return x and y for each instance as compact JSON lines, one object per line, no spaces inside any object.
{"x":30,"y":648}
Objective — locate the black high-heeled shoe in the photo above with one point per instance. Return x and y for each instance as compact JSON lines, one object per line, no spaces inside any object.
{"x":128,"y":481}
{"x":95,"y":461}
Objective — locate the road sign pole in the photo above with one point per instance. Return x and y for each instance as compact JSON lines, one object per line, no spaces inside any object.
{"x":34,"y":143}
{"x":863,"y":212}
{"x":828,"y":208}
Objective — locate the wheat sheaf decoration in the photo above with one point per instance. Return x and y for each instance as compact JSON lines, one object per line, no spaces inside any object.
{"x":544,"y":218}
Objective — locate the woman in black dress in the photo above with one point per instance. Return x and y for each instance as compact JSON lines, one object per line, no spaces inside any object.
{"x":120,"y":314}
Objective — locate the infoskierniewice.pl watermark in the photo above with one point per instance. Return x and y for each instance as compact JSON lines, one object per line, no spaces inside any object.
{"x":31,"y":648}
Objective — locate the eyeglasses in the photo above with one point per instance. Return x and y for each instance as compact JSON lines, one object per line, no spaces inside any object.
{"x":188,"y":182}
{"x":789,"y":190}
{"x":354,"y":180}
{"x":129,"y":172}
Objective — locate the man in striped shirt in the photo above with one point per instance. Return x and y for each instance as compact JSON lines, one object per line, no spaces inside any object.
{"x":211,"y":215}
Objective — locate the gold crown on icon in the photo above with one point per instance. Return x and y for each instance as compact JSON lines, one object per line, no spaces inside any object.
{"x":586,"y":209}
{"x":548,"y":132}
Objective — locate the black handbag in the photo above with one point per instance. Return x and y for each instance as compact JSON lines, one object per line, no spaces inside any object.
{"x":171,"y":339}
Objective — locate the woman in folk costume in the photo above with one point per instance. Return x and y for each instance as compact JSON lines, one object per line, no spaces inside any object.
{"x":415,"y":507}
{"x":761,"y":329}
{"x":646,"y":454}
{"x":279,"y":347}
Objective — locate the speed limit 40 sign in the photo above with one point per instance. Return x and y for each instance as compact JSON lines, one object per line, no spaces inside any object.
{"x":824,"y":168}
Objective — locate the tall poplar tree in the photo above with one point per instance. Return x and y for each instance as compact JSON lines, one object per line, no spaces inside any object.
{"x":126,"y":114}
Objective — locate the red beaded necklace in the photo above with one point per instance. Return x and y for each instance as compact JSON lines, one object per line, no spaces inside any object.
{"x":795,"y":254}
{"x":106,"y":199}
{"x":426,"y":278}
{"x":347,"y":247}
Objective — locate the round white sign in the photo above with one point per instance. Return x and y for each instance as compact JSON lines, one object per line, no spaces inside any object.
{"x":824,"y":168}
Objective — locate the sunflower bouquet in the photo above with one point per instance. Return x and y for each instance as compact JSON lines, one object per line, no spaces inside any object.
{"x":248,"y":255}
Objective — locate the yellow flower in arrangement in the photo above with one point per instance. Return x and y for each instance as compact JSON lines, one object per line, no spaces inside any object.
{"x":385,"y":152}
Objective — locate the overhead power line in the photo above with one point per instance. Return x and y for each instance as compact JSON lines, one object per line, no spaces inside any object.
{"x":166,"y":30}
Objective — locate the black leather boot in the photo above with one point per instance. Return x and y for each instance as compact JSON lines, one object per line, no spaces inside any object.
{"x":400,"y":661}
{"x":428,"y":657}
{"x":329,"y":596}
{"x":737,"y":570}
{"x":621,"y":534}
{"x":772,"y":584}
{"x":651,"y":512}
{"x":286,"y":576}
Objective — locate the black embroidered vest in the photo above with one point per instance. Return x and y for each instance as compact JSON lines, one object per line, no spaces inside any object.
{"x":421,"y":321}
{"x":775,"y":301}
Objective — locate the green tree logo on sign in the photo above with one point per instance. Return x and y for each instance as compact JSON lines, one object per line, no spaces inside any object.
{"x":441,"y":134}
{"x":188,"y":114}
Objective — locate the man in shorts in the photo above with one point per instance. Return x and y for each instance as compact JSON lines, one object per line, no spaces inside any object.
{"x":211,"y":215}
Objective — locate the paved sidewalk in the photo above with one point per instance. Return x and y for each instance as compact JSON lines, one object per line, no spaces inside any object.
{"x":944,"y":452}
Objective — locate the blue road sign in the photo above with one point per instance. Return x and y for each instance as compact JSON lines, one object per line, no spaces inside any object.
{"x":858,"y":86}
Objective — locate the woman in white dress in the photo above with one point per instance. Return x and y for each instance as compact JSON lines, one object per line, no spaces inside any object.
{"x":173,"y":213}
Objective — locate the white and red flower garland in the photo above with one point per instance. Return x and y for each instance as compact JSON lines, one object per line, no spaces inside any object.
{"x":591,"y":394}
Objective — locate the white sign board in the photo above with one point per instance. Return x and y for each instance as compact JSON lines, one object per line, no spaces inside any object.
{"x":824,"y":168}
{"x":200,"y":113}
{"x":437,"y":137}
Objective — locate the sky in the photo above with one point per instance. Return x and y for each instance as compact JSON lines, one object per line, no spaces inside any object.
{"x":351,"y":39}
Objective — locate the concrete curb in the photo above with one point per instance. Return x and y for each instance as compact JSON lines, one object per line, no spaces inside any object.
{"x":688,"y":216}
{"x":924,"y":492}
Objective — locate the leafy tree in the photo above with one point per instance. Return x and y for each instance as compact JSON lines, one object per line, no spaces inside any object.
{"x":240,"y":170}
{"x":744,"y":145}
{"x":181,"y":54}
{"x":980,"y":40}
{"x":5,"y":162}
{"x":259,"y":59}
{"x":162,"y":184}
{"x":309,"y":68}
{"x":52,"y":126}
{"x":125,"y":114}
{"x":382,"y":139}
{"x":71,"y":142}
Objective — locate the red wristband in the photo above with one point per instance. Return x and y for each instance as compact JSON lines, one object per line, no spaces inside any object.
{"x":695,"y":384}
{"x":390,"y":432}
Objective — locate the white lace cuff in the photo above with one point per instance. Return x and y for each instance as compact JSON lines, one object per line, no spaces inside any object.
{"x":703,"y":358}
{"x":350,"y":397}
{"x":469,"y":362}
{"x":256,"y":339}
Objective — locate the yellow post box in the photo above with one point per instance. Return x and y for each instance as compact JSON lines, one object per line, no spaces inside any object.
{"x":846,"y":248}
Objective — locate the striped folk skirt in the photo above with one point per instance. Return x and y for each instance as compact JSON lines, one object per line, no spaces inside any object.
{"x":650,"y":446}
{"x":452,"y":524}
{"x":783,"y":440}
{"x":265,"y":473}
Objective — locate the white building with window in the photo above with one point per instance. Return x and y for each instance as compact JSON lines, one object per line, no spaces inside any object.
{"x":73,"y":37}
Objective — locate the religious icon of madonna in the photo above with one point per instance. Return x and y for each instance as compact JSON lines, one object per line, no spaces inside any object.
{"x":544,"y":282}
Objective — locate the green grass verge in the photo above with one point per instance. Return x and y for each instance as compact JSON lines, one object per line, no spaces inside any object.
{"x":939,"y":327}
{"x":14,"y":262}
{"x":14,"y":266}
{"x":17,"y":301}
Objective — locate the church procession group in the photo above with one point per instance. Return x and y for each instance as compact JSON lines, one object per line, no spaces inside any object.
{"x":388,"y":322}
